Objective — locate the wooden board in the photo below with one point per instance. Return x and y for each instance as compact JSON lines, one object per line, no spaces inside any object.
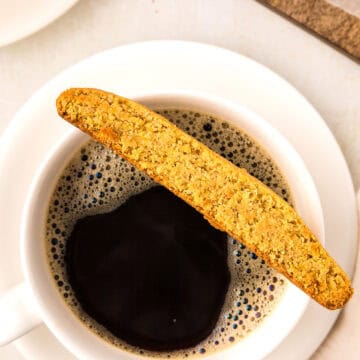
{"x":337,"y":21}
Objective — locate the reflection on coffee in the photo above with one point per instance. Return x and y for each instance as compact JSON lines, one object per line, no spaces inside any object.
{"x":141,"y":268}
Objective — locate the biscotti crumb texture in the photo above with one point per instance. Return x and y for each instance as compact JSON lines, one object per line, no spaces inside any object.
{"x":228,"y":197}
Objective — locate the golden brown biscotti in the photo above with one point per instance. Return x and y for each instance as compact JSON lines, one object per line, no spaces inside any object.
{"x":228,"y":197}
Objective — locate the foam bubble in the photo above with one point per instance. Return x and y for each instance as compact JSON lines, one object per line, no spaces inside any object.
{"x":97,"y":181}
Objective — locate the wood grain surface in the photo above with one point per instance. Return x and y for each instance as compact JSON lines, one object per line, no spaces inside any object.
{"x":335,"y":20}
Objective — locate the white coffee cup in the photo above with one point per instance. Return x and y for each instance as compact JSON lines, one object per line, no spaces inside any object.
{"x":38,"y":300}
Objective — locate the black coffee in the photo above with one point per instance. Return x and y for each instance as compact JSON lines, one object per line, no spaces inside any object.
{"x":142,"y":269}
{"x":153,"y":271}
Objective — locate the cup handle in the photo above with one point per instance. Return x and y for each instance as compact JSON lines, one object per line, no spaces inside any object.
{"x":18,"y":313}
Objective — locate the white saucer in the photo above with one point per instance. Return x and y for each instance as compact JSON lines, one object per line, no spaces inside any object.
{"x":21,"y":18}
{"x":164,"y":65}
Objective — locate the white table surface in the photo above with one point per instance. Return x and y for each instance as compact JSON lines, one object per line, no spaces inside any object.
{"x":329,"y":79}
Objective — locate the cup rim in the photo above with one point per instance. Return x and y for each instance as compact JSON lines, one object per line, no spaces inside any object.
{"x":70,"y":142}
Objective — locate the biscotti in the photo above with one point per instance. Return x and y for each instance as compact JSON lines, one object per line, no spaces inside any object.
{"x":228,"y":197}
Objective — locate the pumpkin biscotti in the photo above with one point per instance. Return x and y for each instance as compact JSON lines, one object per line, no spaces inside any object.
{"x":228,"y":197}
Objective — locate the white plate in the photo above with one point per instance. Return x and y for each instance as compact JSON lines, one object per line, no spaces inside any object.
{"x":162,"y":65}
{"x":20,"y":18}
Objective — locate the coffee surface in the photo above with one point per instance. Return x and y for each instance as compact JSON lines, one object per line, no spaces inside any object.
{"x":153,"y":271}
{"x":117,"y":279}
